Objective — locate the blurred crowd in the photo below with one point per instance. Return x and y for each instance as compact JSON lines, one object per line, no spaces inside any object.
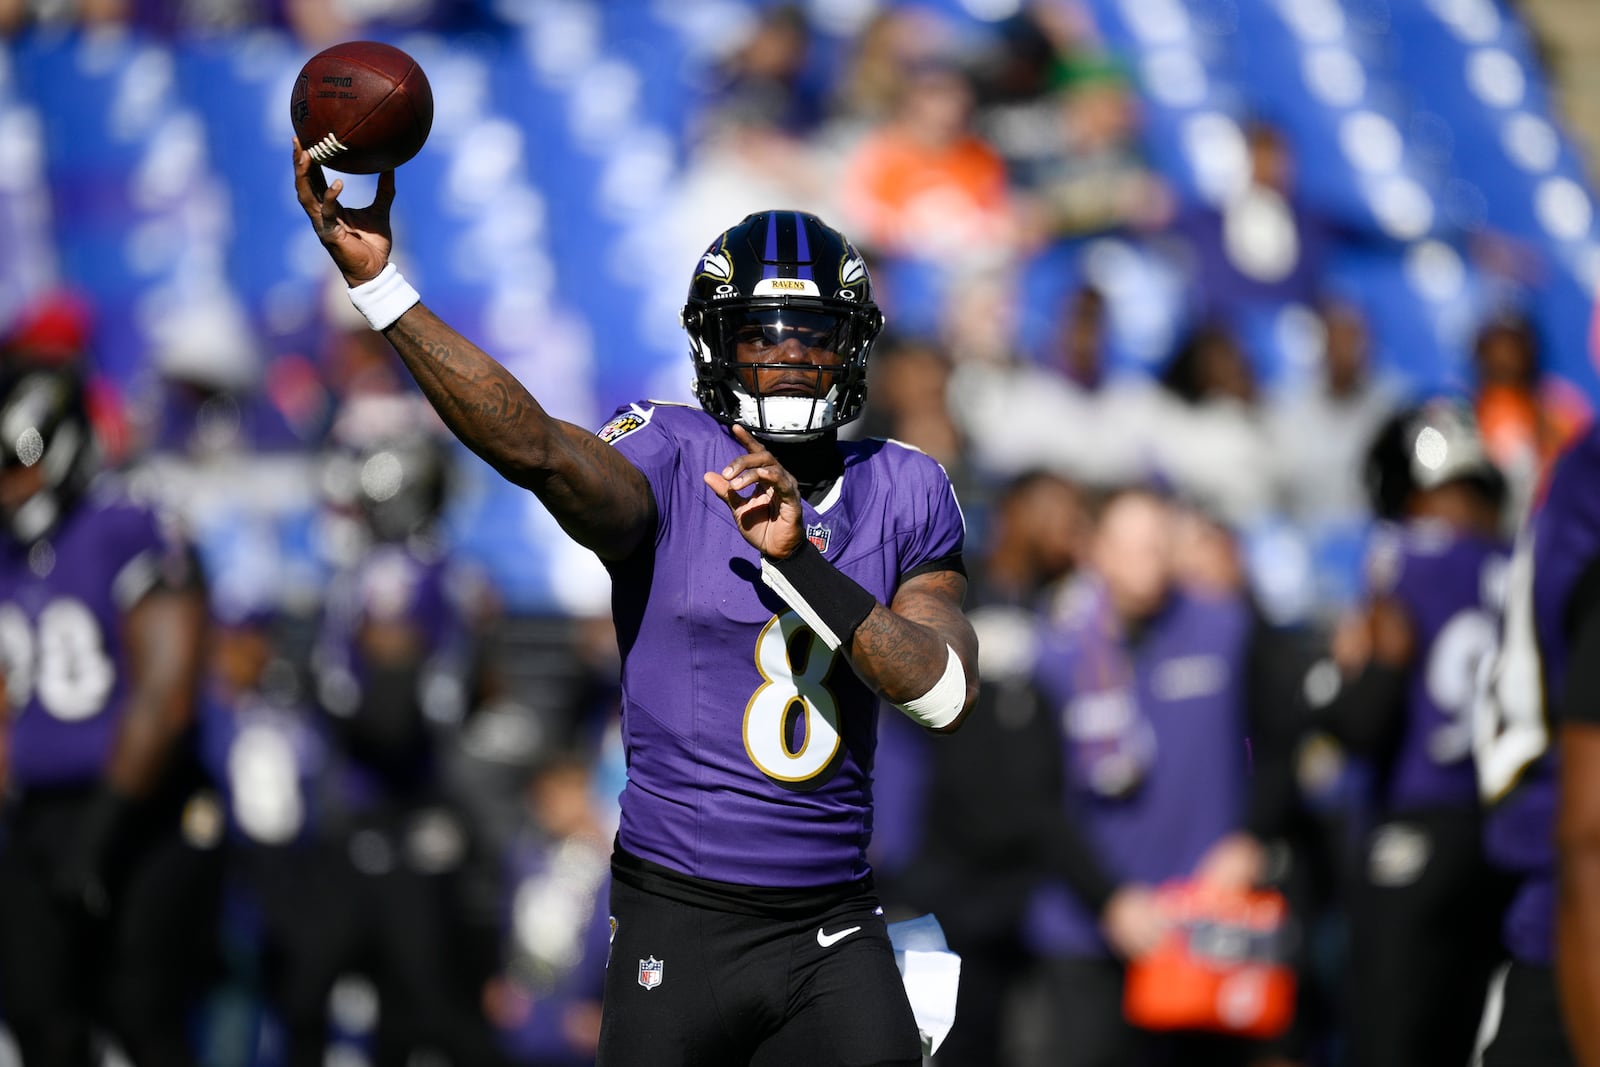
{"x":411,"y":788}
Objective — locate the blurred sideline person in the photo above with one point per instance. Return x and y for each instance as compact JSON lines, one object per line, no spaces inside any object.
{"x":750,"y":551}
{"x":106,"y":897}
{"x":1538,"y":756}
{"x":1425,"y":905}
{"x":1148,"y":682}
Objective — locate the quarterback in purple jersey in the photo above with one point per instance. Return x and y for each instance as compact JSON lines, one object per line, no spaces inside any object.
{"x":103,"y":897}
{"x":1423,"y":918}
{"x":1538,"y":755}
{"x":771,"y":583}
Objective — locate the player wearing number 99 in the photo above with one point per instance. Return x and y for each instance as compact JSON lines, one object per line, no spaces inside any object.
{"x":1424,"y":909}
{"x":103,"y":898}
{"x":770,"y":584}
{"x":1539,"y":767}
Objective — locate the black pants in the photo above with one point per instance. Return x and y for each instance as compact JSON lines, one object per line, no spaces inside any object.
{"x":136,"y":974}
{"x":1088,"y":1029}
{"x":1531,"y":1033}
{"x":1424,"y":941}
{"x":399,"y":927}
{"x":694,"y":986}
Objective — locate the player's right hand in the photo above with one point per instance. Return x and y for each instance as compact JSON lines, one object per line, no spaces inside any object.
{"x":358,"y":239}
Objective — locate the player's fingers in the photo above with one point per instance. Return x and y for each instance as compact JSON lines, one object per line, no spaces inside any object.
{"x":748,"y":439}
{"x":309,"y":199}
{"x":385,"y":196}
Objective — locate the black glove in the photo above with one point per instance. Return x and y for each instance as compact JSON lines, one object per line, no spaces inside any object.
{"x":86,"y":877}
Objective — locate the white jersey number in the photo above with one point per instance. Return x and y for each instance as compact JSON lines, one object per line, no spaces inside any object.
{"x":1509,"y":726}
{"x":788,"y":692}
{"x":1463,"y":645}
{"x":61,"y":659}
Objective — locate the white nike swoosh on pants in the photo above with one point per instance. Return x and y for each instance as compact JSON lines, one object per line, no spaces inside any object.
{"x":829,"y":940}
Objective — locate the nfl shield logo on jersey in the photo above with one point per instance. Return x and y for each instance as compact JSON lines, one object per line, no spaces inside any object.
{"x":650,"y":972}
{"x":819,"y":535}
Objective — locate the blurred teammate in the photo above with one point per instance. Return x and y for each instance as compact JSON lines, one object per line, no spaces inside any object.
{"x":1423,"y":917}
{"x":1538,"y":756}
{"x":754,"y":558}
{"x":392,"y":668}
{"x":106,"y":900}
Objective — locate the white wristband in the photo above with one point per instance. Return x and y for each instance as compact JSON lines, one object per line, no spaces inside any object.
{"x":940,"y":706}
{"x":385,"y":298}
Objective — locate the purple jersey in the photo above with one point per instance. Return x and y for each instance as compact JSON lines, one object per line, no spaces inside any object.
{"x":1516,"y":764}
{"x":1183,"y":685}
{"x":1450,"y":586}
{"x":62,"y":640}
{"x":749,"y":744}
{"x":267,"y":757}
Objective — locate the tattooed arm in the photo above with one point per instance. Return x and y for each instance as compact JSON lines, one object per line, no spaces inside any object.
{"x":900,"y":649}
{"x":597,"y":496}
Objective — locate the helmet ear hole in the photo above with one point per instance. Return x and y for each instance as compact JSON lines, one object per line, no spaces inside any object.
{"x":692,"y":318}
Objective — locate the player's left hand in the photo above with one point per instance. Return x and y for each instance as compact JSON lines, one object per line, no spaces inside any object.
{"x":771,"y":518}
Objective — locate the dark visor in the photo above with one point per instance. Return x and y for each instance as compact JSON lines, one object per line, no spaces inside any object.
{"x":764,"y":328}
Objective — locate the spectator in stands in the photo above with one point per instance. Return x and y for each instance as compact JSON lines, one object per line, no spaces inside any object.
{"x":1320,"y":434}
{"x":1212,"y":438}
{"x":771,"y":71}
{"x":1527,"y":419}
{"x":923,"y":185}
{"x":894,"y":41}
{"x":1071,"y":413}
{"x":1260,"y":246}
{"x":1154,"y":776}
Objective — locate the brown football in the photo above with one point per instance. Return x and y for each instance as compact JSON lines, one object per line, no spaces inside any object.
{"x":361,"y":107}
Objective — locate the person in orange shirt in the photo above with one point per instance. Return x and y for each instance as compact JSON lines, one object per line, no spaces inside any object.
{"x":923,"y":183}
{"x":1526,"y":416}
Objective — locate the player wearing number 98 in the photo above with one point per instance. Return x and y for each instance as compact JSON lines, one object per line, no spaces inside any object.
{"x":1423,"y":917}
{"x":1538,"y":760}
{"x":770,"y":583}
{"x":103,"y":898}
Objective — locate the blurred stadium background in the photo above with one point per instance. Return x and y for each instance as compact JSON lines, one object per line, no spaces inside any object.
{"x":1439,"y":184}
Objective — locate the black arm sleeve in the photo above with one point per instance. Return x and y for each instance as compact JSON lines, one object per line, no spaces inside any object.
{"x":1580,"y":694}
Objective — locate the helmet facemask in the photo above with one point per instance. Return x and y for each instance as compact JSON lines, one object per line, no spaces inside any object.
{"x":783,"y":370}
{"x":781,"y":321}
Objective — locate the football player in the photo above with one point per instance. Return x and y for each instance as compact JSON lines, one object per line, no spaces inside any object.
{"x":1425,"y":904}
{"x":1538,"y":763}
{"x":770,"y":583}
{"x":392,"y":667}
{"x":106,"y":877}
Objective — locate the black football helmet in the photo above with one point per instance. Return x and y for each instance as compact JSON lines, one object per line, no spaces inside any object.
{"x":387,"y":467}
{"x":780,"y":277}
{"x":45,"y":424}
{"x":1425,"y":447}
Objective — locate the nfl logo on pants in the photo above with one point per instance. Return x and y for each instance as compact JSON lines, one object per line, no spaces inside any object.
{"x":650,"y":972}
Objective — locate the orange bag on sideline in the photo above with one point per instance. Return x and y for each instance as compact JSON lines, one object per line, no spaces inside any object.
{"x":1222,"y":967}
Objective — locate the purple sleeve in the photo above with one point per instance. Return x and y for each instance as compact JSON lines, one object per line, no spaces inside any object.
{"x":154,"y":555}
{"x":634,"y":431}
{"x":941,"y":529}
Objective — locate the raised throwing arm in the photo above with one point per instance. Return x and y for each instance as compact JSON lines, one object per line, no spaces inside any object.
{"x":601,"y":500}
